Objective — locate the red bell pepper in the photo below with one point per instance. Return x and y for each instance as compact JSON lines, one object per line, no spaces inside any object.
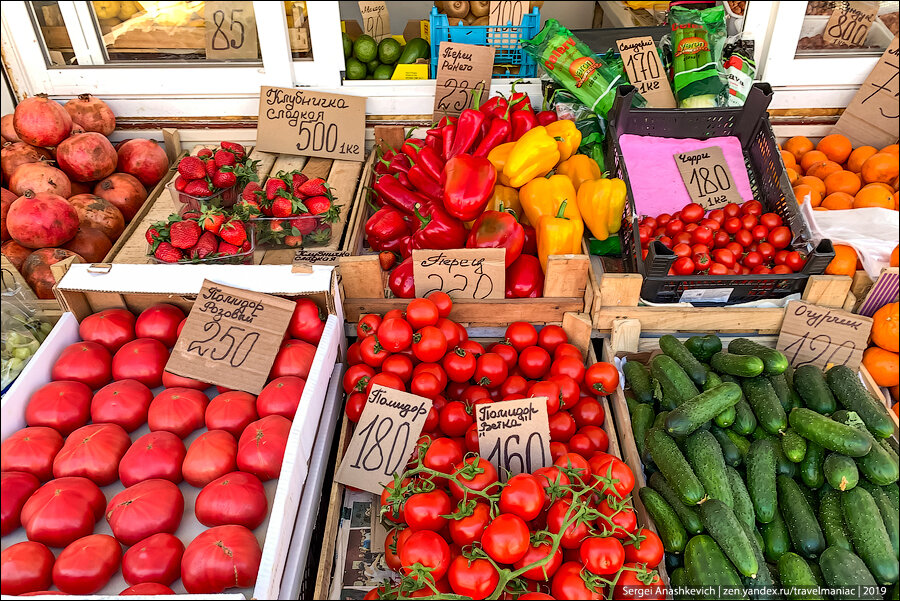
{"x":399,"y":163}
{"x":430,"y":161}
{"x":385,"y":225}
{"x":498,"y":229}
{"x":530,"y":246}
{"x":547,"y":117}
{"x":468,"y":127}
{"x":396,"y":195}
{"x":525,"y":278}
{"x":401,"y":280}
{"x":425,"y":184}
{"x":401,"y":246}
{"x":438,"y":230}
{"x":498,"y":133}
{"x":404,"y":180}
{"x":445,"y":121}
{"x":433,"y":140}
{"x":411,"y":147}
{"x":468,"y":184}
{"x":449,"y":134}
{"x":522,"y":121}
{"x":381,"y":165}
{"x":495,"y":107}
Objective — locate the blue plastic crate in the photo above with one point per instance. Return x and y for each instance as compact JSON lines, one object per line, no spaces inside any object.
{"x":505,"y":41}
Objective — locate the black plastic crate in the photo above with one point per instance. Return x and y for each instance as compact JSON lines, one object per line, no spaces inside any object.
{"x":768,"y":180}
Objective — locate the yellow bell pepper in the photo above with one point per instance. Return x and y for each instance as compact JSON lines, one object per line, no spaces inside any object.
{"x":558,"y":235}
{"x":535,"y":154}
{"x":544,"y":195}
{"x":504,"y":198}
{"x":618,"y":196}
{"x":568,"y":137}
{"x":593,"y":203}
{"x":579,"y":168}
{"x":498,"y":156}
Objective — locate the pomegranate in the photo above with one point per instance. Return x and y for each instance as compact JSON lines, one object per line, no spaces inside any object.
{"x":15,"y":253}
{"x":99,"y":213}
{"x":8,"y":198}
{"x":92,"y":114}
{"x":82,"y":188}
{"x":90,"y":243}
{"x":37,"y":178}
{"x":42,"y":220}
{"x":7,"y":130}
{"x":14,"y":154}
{"x":144,"y":159}
{"x":124,"y":191}
{"x":86,"y":157}
{"x":36,"y":269}
{"x":41,"y":121}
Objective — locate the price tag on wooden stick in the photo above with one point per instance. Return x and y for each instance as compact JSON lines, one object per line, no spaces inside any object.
{"x":466,"y":273}
{"x":813,"y":335}
{"x":230,"y":30}
{"x":645,"y":71}
{"x":231,"y":337}
{"x":850,"y":23}
{"x":384,"y":438}
{"x":302,"y":122}
{"x":707,"y":177}
{"x":461,"y":69}
{"x":514,"y":435}
{"x":505,"y":12}
{"x":873,"y":116}
{"x":376,"y":21}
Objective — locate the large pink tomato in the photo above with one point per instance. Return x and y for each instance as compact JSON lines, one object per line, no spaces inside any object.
{"x":85,"y":362}
{"x":157,"y":558}
{"x":63,"y":406}
{"x":307,"y":322}
{"x":143,"y":360}
{"x":124,"y":402}
{"x":231,"y":411}
{"x":211,"y":455}
{"x":15,"y":488}
{"x":31,"y":450}
{"x":235,"y":498}
{"x":294,"y":359}
{"x":93,"y":452}
{"x":87,"y":564}
{"x":62,"y":511}
{"x":149,"y":507}
{"x":220,"y":558}
{"x":25,"y":568}
{"x":281,"y":396}
{"x":154,"y":455}
{"x":177,"y":410}
{"x":112,"y":328}
{"x":159,"y":321}
{"x":261,"y":447}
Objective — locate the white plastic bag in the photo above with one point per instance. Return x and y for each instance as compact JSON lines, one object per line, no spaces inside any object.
{"x":872,"y":232}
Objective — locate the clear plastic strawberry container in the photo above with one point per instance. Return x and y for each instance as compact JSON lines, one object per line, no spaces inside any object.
{"x":224,"y":198}
{"x":241,"y":258}
{"x":303,"y":231}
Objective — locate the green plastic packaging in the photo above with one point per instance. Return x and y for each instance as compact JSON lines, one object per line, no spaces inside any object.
{"x":698,"y":38}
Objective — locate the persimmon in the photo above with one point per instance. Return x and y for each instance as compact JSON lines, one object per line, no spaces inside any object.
{"x":813,"y":182}
{"x":883,"y":366}
{"x":842,"y":181}
{"x":788,"y":158}
{"x":844,"y":261}
{"x":858,"y":157}
{"x":823,"y":169}
{"x":837,"y":201}
{"x":895,"y":257}
{"x":792,"y":174}
{"x":880,"y":167}
{"x":805,"y":193}
{"x":798,"y":146}
{"x":893,"y":149}
{"x":811,"y":158}
{"x":836,"y":147}
{"x":873,"y":197}
{"x":886,"y":328}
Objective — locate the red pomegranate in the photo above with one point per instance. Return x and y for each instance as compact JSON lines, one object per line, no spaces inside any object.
{"x":42,"y":220}
{"x":144,"y":159}
{"x":15,"y":253}
{"x":41,"y":121}
{"x":90,"y":243}
{"x":99,"y":213}
{"x":36,"y":269}
{"x":77,"y":129}
{"x":14,"y":154}
{"x":8,"y":198}
{"x":37,"y":178}
{"x":86,"y":157}
{"x":92,"y":114}
{"x":124,"y":191}
{"x":7,"y":129}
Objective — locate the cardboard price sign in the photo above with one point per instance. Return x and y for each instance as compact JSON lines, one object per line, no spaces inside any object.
{"x":707,"y":177}
{"x":231,"y":337}
{"x":872,"y":116}
{"x":645,"y":71}
{"x":300,"y":121}
{"x":230,"y":30}
{"x":813,"y":335}
{"x":461,"y":69}
{"x":468,"y":273}
{"x":514,"y":435}
{"x":376,"y":20}
{"x":507,"y":13}
{"x":385,"y":435}
{"x":850,"y":23}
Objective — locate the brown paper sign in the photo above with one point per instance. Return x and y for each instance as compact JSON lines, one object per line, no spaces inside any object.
{"x":389,"y":137}
{"x":302,"y":122}
{"x":850,"y":23}
{"x":645,"y":71}
{"x":376,"y":21}
{"x":466,"y":273}
{"x":813,"y":335}
{"x":384,"y":438}
{"x":514,"y":435}
{"x":507,"y":13}
{"x":231,"y":337}
{"x":707,"y":177}
{"x":461,"y":69}
{"x":872,"y":117}
{"x":230,"y":30}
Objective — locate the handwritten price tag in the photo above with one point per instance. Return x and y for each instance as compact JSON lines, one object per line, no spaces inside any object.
{"x":376,"y":21}
{"x":507,"y":13}
{"x":300,"y":121}
{"x":230,"y":30}
{"x":461,"y":69}
{"x":514,"y":435}
{"x":707,"y":177}
{"x":813,"y":335}
{"x":469,"y":273}
{"x":231,"y":337}
{"x":850,"y":23}
{"x":645,"y":71}
{"x":384,"y":438}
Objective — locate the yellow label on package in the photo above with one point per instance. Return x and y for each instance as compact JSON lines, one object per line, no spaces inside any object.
{"x":399,"y":38}
{"x":424,"y":31}
{"x":404,"y":72}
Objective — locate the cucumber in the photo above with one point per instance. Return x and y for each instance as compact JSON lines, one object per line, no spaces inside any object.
{"x":721,"y":523}
{"x":705,"y":456}
{"x":671,"y":531}
{"x":765,"y":403}
{"x":688,"y":362}
{"x":797,"y":577}
{"x":878,"y":465}
{"x":730,"y":452}
{"x":869,"y":536}
{"x":811,"y":496}
{"x":726,"y":417}
{"x":742,"y":444}
{"x":783,"y":465}
{"x":775,"y":362}
{"x":785,"y":395}
{"x":812,"y":471}
{"x":809,"y":382}
{"x":712,"y":380}
{"x":793,"y":445}
{"x":703,"y":347}
{"x":829,"y":433}
{"x":893,"y":493}
{"x":673,"y":560}
{"x":693,"y":413}
{"x":776,"y":538}
{"x":840,"y":472}
{"x":688,"y":516}
{"x":631,"y":401}
{"x":679,"y":582}
{"x":831,"y":518}
{"x":841,"y":569}
{"x":760,"y":433}
{"x":760,"y":464}
{"x":744,"y":366}
{"x":676,"y":386}
{"x":641,"y":421}
{"x":890,"y":517}
{"x":851,"y":394}
{"x":763,"y":586}
{"x":660,"y":420}
{"x":672,"y":464}
{"x":707,"y":566}
{"x":806,"y":534}
{"x":817,"y":574}
{"x":744,"y":419}
{"x":638,"y":378}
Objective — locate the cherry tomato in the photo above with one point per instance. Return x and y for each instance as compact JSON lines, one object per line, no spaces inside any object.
{"x":702,"y":235}
{"x":724,"y":256}
{"x":616,"y":477}
{"x":732,"y":225}
{"x":569,"y":584}
{"x":434,"y":369}
{"x":782,"y":269}
{"x":721,"y":240}
{"x":639,"y":582}
{"x":665,"y":241}
{"x":371,"y":351}
{"x":424,"y":384}
{"x":602,"y":555}
{"x":760,"y":232}
{"x":399,"y":365}
{"x":386,"y":380}
{"x":534,"y":361}
{"x":467,"y":530}
{"x":682,"y":250}
{"x":395,"y":334}
{"x":690,"y":227}
{"x":795,"y":261}
{"x":692,"y":213}
{"x":521,"y":334}
{"x":617,"y":518}
{"x":514,"y":385}
{"x":425,"y":510}
{"x":562,"y":426}
{"x":731,"y":210}
{"x":442,"y":301}
{"x":649,"y":221}
{"x":455,"y":418}
{"x":551,"y":391}
{"x":506,"y":539}
{"x":450,"y":330}
{"x":428,"y":549}
{"x":601,"y":378}
{"x":459,"y":365}
{"x":569,"y":390}
{"x":674,"y":227}
{"x":442,"y":454}
{"x":771,"y":220}
{"x":717,"y":215}
{"x":753,"y":259}
{"x":536,"y":552}
{"x":475,"y":578}
{"x":506,"y":350}
{"x":761,"y":270}
{"x":736,"y":249}
{"x":582,"y":444}
{"x":429,"y":344}
{"x":702,"y":261}
{"x":551,"y":336}
{"x":421,"y":312}
{"x":681,"y":238}
{"x":569,"y":366}
{"x":523,"y":496}
{"x":588,"y":412}
{"x":574,"y":533}
{"x":662,"y":219}
{"x":752,"y":207}
{"x":644,"y":234}
{"x":597,"y":435}
{"x":712,"y":224}
{"x":718,"y":269}
{"x":490,"y":370}
{"x":575,"y":462}
{"x":766,"y":250}
{"x":474,"y":473}
{"x":353,"y":355}
{"x":367,"y":325}
{"x":683,"y":266}
{"x":744,"y":238}
{"x":781,"y":257}
{"x":392,"y":544}
{"x":473,"y":394}
{"x":780,"y":237}
{"x":748,"y":222}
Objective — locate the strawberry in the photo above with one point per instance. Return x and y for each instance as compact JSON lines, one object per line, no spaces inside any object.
{"x":191,"y":168}
{"x":227,"y":249}
{"x":204,"y":152}
{"x":186,"y":215}
{"x":167,"y":253}
{"x":156,"y":232}
{"x":246,"y":246}
{"x":198,"y":187}
{"x":224,"y":179}
{"x":293,"y":241}
{"x":275,"y":187}
{"x":180,"y":183}
{"x":210,"y":168}
{"x":212,"y":219}
{"x":233,"y":232}
{"x":251,"y":191}
{"x":236,"y":149}
{"x":184,"y":234}
{"x":282,"y":207}
{"x":318,"y":204}
{"x":223,"y":158}
{"x":297,"y":181}
{"x":303,"y":225}
{"x":314,"y":187}
{"x":387,"y":260}
{"x":206,"y":245}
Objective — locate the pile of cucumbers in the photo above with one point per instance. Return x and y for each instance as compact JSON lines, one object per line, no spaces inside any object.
{"x":367,"y":59}
{"x":763,"y":478}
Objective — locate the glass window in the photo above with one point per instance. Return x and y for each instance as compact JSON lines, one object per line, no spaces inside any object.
{"x":298,"y":30}
{"x":841,"y":28}
{"x":50,"y":22}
